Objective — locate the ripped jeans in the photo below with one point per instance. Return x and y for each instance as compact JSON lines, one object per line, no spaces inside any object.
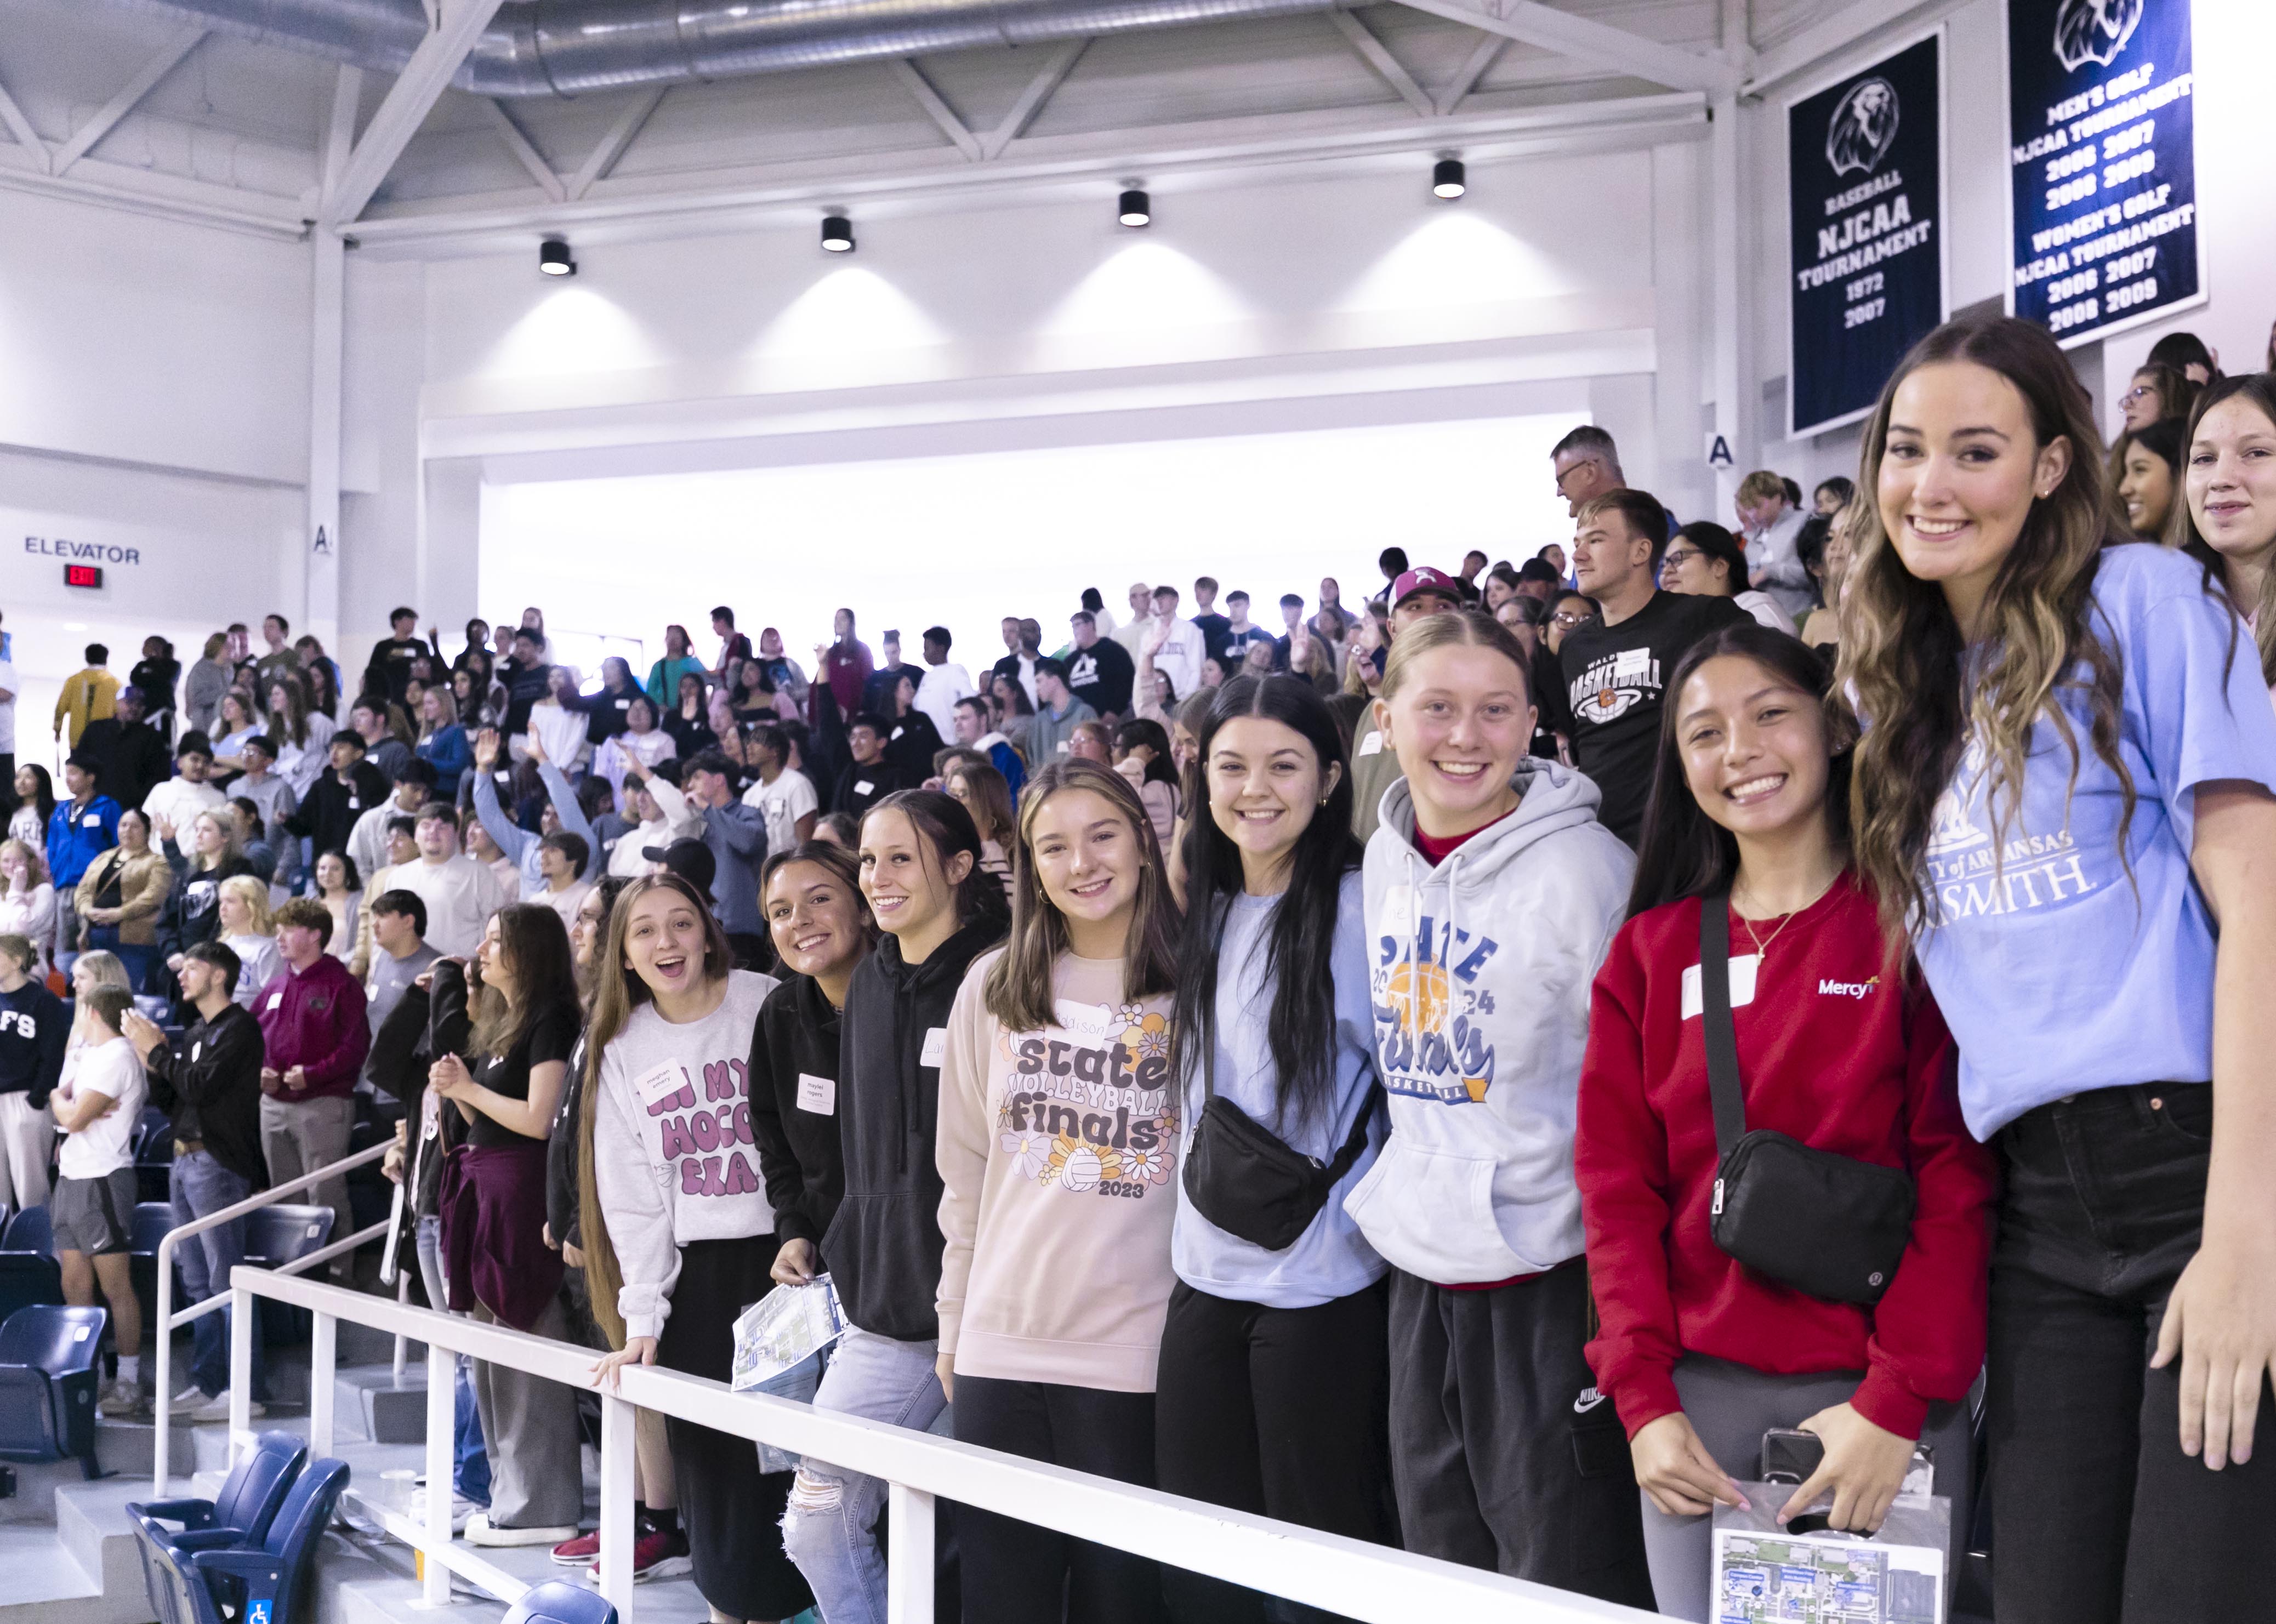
{"x":830,"y":1530}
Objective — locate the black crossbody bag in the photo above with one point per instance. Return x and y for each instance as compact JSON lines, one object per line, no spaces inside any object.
{"x":1827,"y":1225}
{"x":1243,"y":1178}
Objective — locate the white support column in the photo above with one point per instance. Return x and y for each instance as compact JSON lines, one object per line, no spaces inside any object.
{"x":909,"y":1563}
{"x":1730,"y":374}
{"x":323,"y":1367}
{"x":442,"y":1371}
{"x":618,"y":1532}
{"x":320,"y":539}
{"x":243,"y":1305}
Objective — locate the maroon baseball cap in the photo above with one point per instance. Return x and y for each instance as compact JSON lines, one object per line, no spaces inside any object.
{"x":1424,"y":580}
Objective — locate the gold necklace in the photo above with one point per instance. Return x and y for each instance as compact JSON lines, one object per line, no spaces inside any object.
{"x":1762,"y":947}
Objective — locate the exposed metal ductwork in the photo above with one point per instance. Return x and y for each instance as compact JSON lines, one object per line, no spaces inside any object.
{"x":566,"y":48}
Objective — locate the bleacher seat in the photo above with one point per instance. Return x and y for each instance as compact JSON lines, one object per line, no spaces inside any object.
{"x":154,"y":1157}
{"x":276,"y":1236}
{"x":148,"y":1228}
{"x":240,"y":1515}
{"x":557,"y":1602}
{"x":268,"y":1581}
{"x":29,"y":1274}
{"x":48,"y":1384}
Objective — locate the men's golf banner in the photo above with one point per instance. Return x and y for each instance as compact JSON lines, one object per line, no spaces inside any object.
{"x":1865,"y":204}
{"x":2102,"y":138}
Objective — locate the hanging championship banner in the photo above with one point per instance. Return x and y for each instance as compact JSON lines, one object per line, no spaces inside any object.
{"x":2102,"y":132}
{"x":1865,"y":199}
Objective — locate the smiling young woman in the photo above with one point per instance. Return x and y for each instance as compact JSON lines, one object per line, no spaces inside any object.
{"x":2229,"y":523}
{"x":1700,"y":1354}
{"x":2065,"y":779}
{"x":678,"y":1234}
{"x":919,"y":873}
{"x":1492,"y":892}
{"x":1058,"y":1146}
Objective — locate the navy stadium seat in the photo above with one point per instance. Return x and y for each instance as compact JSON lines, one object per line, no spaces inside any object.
{"x":555,"y":1602}
{"x":239,"y":1514}
{"x":48,"y":1384}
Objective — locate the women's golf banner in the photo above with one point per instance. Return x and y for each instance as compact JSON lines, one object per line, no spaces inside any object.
{"x":1864,"y":166}
{"x":2102,"y":131}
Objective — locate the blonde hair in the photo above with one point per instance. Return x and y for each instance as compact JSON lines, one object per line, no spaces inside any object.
{"x":1460,"y":628}
{"x":103,"y":969}
{"x":223,"y":819}
{"x":618,"y":992}
{"x":253,"y":892}
{"x":35,"y":864}
{"x":1760,"y":484}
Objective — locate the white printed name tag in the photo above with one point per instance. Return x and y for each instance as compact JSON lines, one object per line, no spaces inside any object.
{"x":1372,"y":745}
{"x":935,"y":1046}
{"x":863,"y":787}
{"x":661,"y":1083}
{"x":1396,"y":916}
{"x":1742,"y":985}
{"x":818,"y":1095}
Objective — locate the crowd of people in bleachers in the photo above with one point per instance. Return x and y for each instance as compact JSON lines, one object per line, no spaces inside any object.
{"x":1409,"y":1072}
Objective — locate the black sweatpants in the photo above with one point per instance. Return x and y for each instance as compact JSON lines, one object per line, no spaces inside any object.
{"x":2096,"y":1516}
{"x":1503,"y":1456}
{"x":1276,"y":1411}
{"x":1023,"y":1573}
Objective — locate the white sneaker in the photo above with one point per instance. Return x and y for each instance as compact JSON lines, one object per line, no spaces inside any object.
{"x":479,"y":1531}
{"x":461,"y":1509}
{"x":216,"y":1408}
{"x":123,"y":1399}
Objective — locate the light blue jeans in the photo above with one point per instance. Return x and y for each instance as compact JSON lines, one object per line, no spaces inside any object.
{"x":831,"y":1527}
{"x":197,"y":1184}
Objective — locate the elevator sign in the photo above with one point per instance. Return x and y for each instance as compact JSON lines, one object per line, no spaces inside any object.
{"x":2102,"y":154}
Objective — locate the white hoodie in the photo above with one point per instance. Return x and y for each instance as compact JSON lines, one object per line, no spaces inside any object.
{"x":1475,"y":1184}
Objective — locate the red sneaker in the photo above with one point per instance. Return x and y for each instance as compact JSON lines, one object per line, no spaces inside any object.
{"x":584,"y":1548}
{"x":655,"y":1555}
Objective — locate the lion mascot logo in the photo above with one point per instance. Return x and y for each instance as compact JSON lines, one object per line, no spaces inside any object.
{"x":1863,"y":127}
{"x":2094,"y":31}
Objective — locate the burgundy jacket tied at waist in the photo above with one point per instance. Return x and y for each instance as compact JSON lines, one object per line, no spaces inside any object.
{"x":494,"y":1252}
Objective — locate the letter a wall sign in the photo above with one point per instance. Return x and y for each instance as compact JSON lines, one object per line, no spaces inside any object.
{"x":1865,"y":200}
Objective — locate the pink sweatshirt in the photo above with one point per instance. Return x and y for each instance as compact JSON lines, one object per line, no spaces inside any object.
{"x":1058,"y":1155}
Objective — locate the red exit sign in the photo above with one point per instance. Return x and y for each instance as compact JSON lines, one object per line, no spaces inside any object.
{"x":82,"y":575}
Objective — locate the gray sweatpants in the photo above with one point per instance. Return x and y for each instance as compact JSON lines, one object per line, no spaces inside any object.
{"x":28,"y":1138}
{"x":299,"y":1135}
{"x":529,"y":1429}
{"x":1731,"y":1406}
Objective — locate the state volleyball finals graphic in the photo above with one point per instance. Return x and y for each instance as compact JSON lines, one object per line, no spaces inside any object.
{"x":1430,"y":1045}
{"x":1088,"y":1108}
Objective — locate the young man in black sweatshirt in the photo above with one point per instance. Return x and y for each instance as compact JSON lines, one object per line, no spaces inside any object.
{"x":32,"y":1031}
{"x":209,"y":1080}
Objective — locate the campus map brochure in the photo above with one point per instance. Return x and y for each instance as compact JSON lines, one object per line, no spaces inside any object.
{"x":1765,"y":1574}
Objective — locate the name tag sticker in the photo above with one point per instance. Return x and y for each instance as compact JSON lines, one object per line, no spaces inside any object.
{"x":818,"y":1095}
{"x":623,"y":705}
{"x":1372,"y":745}
{"x":863,"y":787}
{"x":898,"y":731}
{"x":661,"y":1083}
{"x":1063,"y":746}
{"x":935,"y":1046}
{"x":92,"y":820}
{"x":196,"y":1049}
{"x":354,"y":805}
{"x":1742,"y":985}
{"x":275,"y":999}
{"x":1398,"y":916}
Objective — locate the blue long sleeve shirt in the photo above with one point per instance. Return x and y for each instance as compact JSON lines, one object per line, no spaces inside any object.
{"x":525,"y":847}
{"x":737,"y":835}
{"x":77,"y":836}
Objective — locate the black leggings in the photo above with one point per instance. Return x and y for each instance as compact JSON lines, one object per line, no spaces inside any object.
{"x":1277,"y":1411}
{"x":1024,"y":1573}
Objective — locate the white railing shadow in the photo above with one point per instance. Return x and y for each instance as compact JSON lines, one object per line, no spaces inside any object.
{"x":1347,"y":1576}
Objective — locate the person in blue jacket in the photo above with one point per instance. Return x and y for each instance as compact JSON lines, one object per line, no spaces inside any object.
{"x":79,"y":830}
{"x":515,"y":841}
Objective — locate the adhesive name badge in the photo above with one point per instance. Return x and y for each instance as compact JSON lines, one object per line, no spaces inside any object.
{"x":1372,"y":745}
{"x":196,"y":1049}
{"x":1632,"y":662}
{"x":275,"y":999}
{"x":1397,"y":917}
{"x":818,"y":1095}
{"x":1742,"y":985}
{"x":661,"y":1083}
{"x":92,"y":820}
{"x":935,"y":1046}
{"x":1063,"y":746}
{"x":895,"y":733}
{"x":354,"y":805}
{"x":863,"y":787}
{"x":623,"y":705}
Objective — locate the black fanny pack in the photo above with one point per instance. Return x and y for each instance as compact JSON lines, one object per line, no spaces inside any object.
{"x":1244,"y":1179}
{"x":1827,"y":1225}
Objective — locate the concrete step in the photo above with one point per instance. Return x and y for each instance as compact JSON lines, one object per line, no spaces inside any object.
{"x":81,"y":1570}
{"x":371,"y":1404}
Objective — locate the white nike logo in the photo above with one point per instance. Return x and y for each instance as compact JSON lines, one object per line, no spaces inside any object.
{"x":1588,"y":1399}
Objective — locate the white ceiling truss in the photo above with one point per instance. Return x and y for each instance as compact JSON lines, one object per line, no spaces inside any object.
{"x":1483,"y":77}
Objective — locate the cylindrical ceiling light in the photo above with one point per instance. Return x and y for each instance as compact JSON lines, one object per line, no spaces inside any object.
{"x":836,"y":234}
{"x":1134,"y":209}
{"x":553,"y":258}
{"x":1447,"y":179}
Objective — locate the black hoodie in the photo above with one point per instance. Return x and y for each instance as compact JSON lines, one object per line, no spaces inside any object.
{"x":799,"y":1154}
{"x":884,"y":1246}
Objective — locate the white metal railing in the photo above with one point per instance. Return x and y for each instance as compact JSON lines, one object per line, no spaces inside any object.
{"x":168,"y":1321}
{"x":1346,"y":1576}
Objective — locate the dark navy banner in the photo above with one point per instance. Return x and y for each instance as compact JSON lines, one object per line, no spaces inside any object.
{"x":1864,"y":167}
{"x":2101,"y":123}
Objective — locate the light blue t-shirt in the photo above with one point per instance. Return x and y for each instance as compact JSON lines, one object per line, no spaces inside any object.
{"x":2057,"y":969}
{"x":1331,"y":1259}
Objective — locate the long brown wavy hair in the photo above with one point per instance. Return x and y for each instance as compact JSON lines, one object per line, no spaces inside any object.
{"x":2258,"y":390}
{"x":620,"y":993}
{"x":1019,"y":988}
{"x":1901,"y":649}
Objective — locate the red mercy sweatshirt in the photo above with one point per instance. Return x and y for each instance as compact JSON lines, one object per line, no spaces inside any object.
{"x":317,"y":1018}
{"x":1834,"y":1049}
